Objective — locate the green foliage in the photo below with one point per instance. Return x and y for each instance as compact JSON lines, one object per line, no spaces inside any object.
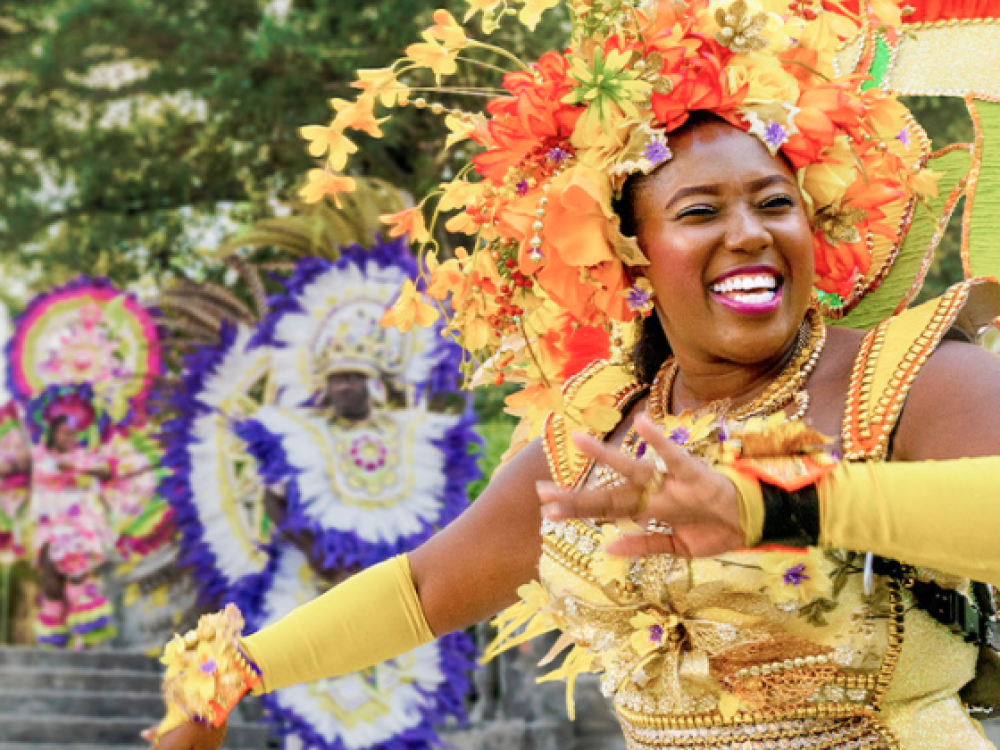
{"x":137,"y":133}
{"x":495,"y":428}
{"x":946,"y":121}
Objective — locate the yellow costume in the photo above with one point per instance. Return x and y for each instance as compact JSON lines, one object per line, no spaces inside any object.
{"x":768,"y":645}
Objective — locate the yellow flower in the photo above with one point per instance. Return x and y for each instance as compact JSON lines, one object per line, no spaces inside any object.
{"x":600,"y":413}
{"x":323,"y":139}
{"x":684,"y":429}
{"x":357,"y":115}
{"x":408,"y":222}
{"x":431,"y":54}
{"x":608,"y":88}
{"x":324,"y":183}
{"x":824,"y":34}
{"x":828,"y":180}
{"x":447,"y":31}
{"x":766,"y":80}
{"x":459,"y":194}
{"x":532,"y":11}
{"x":795,"y":576}
{"x":409,"y":309}
{"x":924,"y":182}
{"x":461,"y":223}
{"x":382,"y":83}
{"x":652,"y":631}
{"x":887,"y":11}
{"x":460,"y":129}
{"x":609,"y":568}
{"x":486,"y":7}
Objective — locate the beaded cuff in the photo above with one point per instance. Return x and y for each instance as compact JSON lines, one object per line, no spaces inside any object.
{"x":207,"y":672}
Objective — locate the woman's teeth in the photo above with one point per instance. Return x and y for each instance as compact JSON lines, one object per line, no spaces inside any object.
{"x":760,"y":286}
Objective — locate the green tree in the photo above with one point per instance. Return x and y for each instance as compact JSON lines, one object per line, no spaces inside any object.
{"x":138,"y":133}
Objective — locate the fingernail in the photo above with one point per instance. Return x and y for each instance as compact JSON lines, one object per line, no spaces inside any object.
{"x":553,"y":512}
{"x":545,"y":486}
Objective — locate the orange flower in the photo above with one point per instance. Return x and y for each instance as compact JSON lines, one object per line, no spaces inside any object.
{"x":323,"y":139}
{"x":408,"y":222}
{"x":382,"y":83}
{"x":357,"y":115}
{"x":431,"y":54}
{"x":699,"y":82}
{"x":409,"y":309}
{"x":324,"y":183}
{"x":531,"y":124}
{"x":446,"y":279}
{"x":580,"y":270}
{"x":826,"y":112}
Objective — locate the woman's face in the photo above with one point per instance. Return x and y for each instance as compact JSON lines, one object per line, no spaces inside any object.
{"x":729,"y":245}
{"x":64,"y":438}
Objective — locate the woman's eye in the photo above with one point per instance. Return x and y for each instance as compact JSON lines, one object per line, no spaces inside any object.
{"x":696,"y":211}
{"x":777,"y":201}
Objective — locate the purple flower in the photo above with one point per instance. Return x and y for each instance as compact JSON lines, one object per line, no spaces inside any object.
{"x":640,"y":451}
{"x":522,"y":188}
{"x":208,"y":666}
{"x":638,"y":299}
{"x":775,"y":134}
{"x":904,"y":138}
{"x":557,"y":155}
{"x":679,"y":435}
{"x":656,"y":634}
{"x":657,"y":152}
{"x":795,"y":575}
{"x":723,"y":432}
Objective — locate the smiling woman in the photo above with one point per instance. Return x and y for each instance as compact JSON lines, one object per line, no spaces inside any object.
{"x":703,"y":546}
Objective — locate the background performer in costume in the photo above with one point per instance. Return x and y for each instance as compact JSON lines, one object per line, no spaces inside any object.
{"x":317,"y":456}
{"x":81,"y":362}
{"x":727,"y":171}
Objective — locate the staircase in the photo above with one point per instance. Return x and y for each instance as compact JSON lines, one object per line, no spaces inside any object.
{"x":88,"y":700}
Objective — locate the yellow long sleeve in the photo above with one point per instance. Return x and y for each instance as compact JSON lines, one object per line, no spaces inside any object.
{"x":373,"y":616}
{"x":939,"y":514}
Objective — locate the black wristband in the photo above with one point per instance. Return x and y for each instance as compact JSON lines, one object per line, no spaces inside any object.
{"x":790,"y":517}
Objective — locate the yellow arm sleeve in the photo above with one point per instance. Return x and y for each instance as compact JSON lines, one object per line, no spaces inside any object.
{"x":373,"y":616}
{"x":939,"y":514}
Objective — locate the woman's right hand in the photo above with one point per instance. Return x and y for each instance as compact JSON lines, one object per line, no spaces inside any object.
{"x":193,"y":735}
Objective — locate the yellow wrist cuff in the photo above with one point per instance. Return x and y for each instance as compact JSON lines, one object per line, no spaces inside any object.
{"x":373,"y":616}
{"x":751,"y":504}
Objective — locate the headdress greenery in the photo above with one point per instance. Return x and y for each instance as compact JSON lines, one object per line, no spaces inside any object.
{"x":546,"y":275}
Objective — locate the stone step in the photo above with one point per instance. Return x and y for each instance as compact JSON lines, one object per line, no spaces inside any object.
{"x":45,"y":658}
{"x":90,"y":680}
{"x":16,"y":728}
{"x":78,"y":703}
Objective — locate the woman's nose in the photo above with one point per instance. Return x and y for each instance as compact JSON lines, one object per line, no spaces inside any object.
{"x":746,"y":232}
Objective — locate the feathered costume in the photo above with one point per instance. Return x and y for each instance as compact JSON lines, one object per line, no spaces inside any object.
{"x":83,"y":357}
{"x":357,"y":492}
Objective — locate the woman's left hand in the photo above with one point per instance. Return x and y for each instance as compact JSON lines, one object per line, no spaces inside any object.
{"x":698,"y":504}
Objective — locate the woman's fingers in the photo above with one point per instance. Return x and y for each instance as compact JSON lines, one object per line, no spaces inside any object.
{"x":679,"y":462}
{"x":643,"y":545}
{"x":601,"y":503}
{"x":610,"y":456}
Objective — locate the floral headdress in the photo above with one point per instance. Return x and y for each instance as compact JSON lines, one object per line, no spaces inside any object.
{"x":546,"y":277}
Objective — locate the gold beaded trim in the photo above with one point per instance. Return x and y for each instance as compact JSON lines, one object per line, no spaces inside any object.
{"x":555,"y":441}
{"x":819,"y":734}
{"x":876,"y":684}
{"x":868,"y":423}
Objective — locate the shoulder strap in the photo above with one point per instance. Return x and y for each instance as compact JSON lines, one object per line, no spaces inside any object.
{"x":892,"y":355}
{"x":566,"y":464}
